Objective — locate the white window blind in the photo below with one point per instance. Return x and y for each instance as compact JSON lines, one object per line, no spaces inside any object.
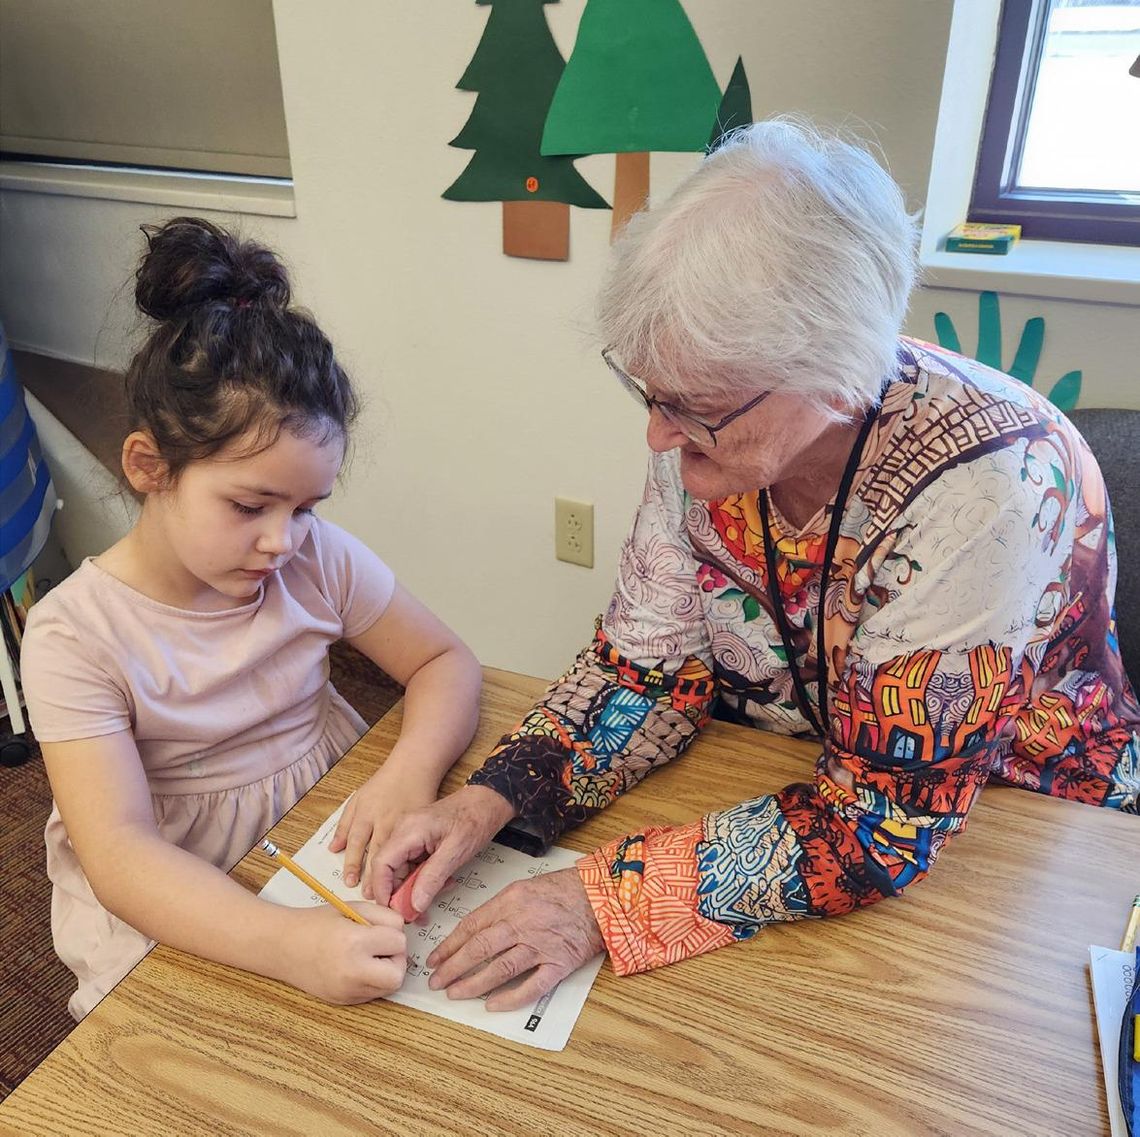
{"x":179,"y":84}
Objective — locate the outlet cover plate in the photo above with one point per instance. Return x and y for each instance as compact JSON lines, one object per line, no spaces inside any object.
{"x":574,"y":531}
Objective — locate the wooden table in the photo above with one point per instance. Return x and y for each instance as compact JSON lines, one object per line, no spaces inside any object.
{"x":964,"y":1008}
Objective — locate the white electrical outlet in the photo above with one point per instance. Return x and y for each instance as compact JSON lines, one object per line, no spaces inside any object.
{"x":574,"y":531}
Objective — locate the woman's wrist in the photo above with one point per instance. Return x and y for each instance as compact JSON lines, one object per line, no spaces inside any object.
{"x":489,"y":804}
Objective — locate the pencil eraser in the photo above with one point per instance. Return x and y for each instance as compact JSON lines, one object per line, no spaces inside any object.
{"x":402,"y":898}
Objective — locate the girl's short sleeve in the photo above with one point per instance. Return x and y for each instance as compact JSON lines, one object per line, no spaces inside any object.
{"x":69,"y":694}
{"x":359,"y":583}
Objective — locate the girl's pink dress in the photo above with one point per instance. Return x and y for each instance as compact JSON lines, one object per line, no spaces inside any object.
{"x":233,"y":714}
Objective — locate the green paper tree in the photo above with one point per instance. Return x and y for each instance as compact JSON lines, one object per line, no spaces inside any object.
{"x":1063,"y":394}
{"x":735,"y":108}
{"x":637,"y":81}
{"x":515,"y":70}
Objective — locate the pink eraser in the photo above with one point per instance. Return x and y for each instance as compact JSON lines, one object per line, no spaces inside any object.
{"x":402,"y":898}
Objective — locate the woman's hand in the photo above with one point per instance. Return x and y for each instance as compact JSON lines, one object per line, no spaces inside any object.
{"x":340,"y":961}
{"x":544,"y":926}
{"x":372,"y":812}
{"x":448,"y":833}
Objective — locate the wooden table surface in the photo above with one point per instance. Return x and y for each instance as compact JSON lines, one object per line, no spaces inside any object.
{"x":964,"y":1008}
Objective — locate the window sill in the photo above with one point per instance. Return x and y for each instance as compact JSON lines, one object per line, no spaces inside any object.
{"x":228,"y":193}
{"x":1104,"y":274}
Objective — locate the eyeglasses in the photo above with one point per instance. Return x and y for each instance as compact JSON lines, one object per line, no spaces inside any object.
{"x":699,"y":431}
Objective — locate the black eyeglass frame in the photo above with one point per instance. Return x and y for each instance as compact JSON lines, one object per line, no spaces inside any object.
{"x":694,"y":428}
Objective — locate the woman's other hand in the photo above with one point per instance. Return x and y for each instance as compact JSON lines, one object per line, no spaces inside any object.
{"x":545,"y":926}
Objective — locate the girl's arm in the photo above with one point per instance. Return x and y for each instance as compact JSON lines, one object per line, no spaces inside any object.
{"x":441,"y":678}
{"x":172,"y":896}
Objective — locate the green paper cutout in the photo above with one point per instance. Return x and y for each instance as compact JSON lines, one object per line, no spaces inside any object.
{"x":989,"y":330}
{"x":515,"y":70}
{"x":1066,"y":391}
{"x":947,"y":334}
{"x":637,"y":80}
{"x":735,"y":108}
{"x":1024,"y":365}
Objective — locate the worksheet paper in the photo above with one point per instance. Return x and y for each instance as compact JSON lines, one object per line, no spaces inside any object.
{"x":547,"y":1024}
{"x":1113,"y":973}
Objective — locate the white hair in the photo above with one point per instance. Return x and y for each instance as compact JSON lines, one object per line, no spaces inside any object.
{"x":785,"y":261}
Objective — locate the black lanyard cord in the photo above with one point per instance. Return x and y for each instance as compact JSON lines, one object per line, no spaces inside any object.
{"x":840,"y":507}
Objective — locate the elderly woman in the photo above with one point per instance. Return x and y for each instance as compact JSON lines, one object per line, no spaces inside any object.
{"x":844,"y":535}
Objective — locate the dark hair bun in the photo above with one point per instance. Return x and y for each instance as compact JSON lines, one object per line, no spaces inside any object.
{"x":191,"y":264}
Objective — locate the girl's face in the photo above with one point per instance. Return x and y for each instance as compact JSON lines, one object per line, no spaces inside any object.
{"x":233,"y":519}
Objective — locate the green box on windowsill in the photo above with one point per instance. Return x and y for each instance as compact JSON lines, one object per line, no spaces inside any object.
{"x":978,"y":237}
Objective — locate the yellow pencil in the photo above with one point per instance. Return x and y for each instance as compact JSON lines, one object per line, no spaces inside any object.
{"x":1133,"y":926}
{"x":287,"y":862}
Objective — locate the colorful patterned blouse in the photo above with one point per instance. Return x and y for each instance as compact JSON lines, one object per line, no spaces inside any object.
{"x":970,"y":636}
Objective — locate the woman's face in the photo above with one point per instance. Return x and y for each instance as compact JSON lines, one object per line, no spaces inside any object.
{"x":755,"y":451}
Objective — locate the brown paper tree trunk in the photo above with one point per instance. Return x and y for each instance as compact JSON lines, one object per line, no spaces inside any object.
{"x":631,"y":188}
{"x":539,"y":230}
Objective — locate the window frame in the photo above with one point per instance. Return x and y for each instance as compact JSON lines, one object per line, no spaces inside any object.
{"x":1099,"y":217}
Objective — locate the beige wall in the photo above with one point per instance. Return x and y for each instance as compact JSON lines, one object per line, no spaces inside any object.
{"x":485,"y":393}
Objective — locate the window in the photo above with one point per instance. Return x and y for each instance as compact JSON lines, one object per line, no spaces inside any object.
{"x":1060,"y":149}
{"x":155,"y":84}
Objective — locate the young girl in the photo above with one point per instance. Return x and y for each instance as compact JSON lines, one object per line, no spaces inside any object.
{"x":178,"y":683}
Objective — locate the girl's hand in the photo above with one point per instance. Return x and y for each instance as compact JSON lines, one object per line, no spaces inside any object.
{"x":372,"y":812}
{"x":340,"y":961}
